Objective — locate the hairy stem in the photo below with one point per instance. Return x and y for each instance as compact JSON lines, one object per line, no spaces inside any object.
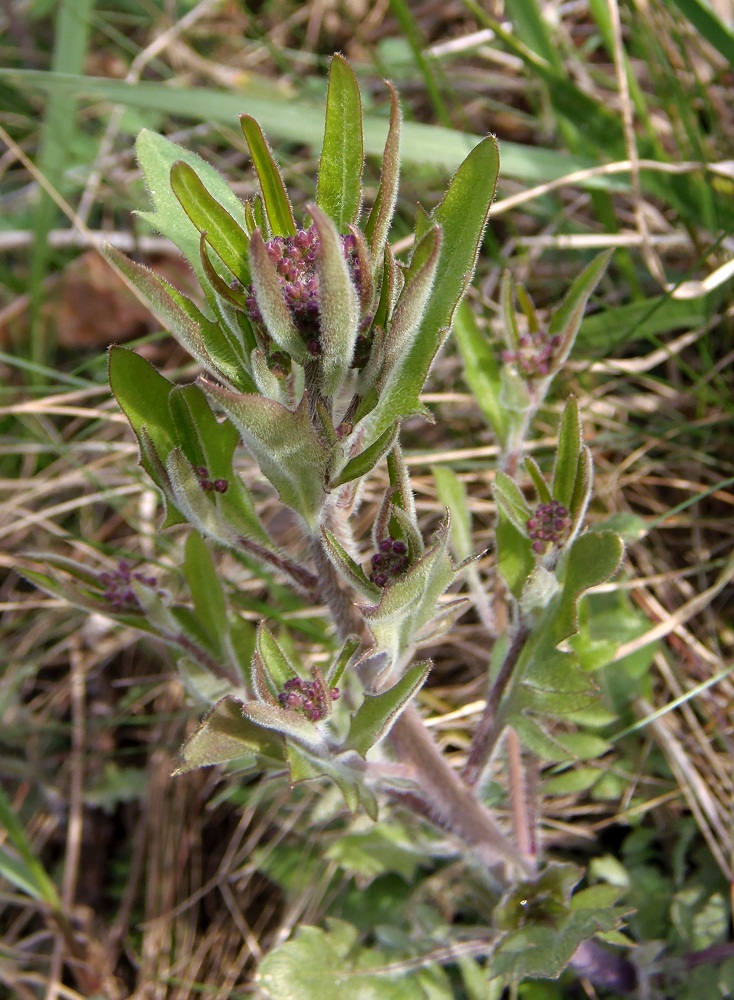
{"x":441,"y":795}
{"x":488,"y":731}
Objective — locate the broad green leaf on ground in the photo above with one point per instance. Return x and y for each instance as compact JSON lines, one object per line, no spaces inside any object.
{"x":330,"y":965}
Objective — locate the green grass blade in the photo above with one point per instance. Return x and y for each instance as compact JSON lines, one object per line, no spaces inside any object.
{"x":57,"y":138}
{"x":705,"y":21}
{"x":25,"y":872}
{"x":300,"y":122}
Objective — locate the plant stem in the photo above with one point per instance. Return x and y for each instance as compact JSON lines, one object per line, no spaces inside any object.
{"x":441,"y":795}
{"x":488,"y":730}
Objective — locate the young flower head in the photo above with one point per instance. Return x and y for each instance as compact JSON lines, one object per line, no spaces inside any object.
{"x":535,"y":353}
{"x":548,"y":526}
{"x":390,"y":562}
{"x":118,"y":586}
{"x":308,"y":698}
{"x":296,"y":263}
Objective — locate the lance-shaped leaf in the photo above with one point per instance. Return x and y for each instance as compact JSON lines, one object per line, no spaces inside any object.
{"x":366,"y":460}
{"x":267,"y":382}
{"x":339,"y":191}
{"x":515,"y":559}
{"x":195,"y":504}
{"x":341,"y":661}
{"x":409,"y":602}
{"x":271,"y":301}
{"x":210,"y":443}
{"x":275,"y":196}
{"x":406,"y":319}
{"x":566,"y":320}
{"x":461,"y":216}
{"x":206,"y":591}
{"x":480,"y":369}
{"x":289,"y":724}
{"x":225,"y":236}
{"x":142,"y":394}
{"x":441,"y":622}
{"x":275,"y":661}
{"x":156,"y":155}
{"x":541,"y":487}
{"x":511,"y":501}
{"x":338,"y":305}
{"x":510,"y":327}
{"x":201,"y":337}
{"x":374,"y":718}
{"x":225,"y":735}
{"x":581,"y":491}
{"x":349,"y":569}
{"x":284,"y":444}
{"x":566,"y":464}
{"x":378,"y":224}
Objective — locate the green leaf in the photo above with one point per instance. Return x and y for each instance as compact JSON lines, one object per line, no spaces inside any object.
{"x":349,"y":569}
{"x":26,"y":871}
{"x":567,"y":456}
{"x":452,"y":494}
{"x":566,"y":320}
{"x":285,"y":446}
{"x":480,"y":369}
{"x":341,"y":661}
{"x":538,"y":740}
{"x":515,"y":559}
{"x":201,"y":337}
{"x":156,"y":156}
{"x":206,"y":589}
{"x":225,"y":735}
{"x":338,"y":306}
{"x":274,"y":660}
{"x":339,"y":192}
{"x":385,"y":847}
{"x":142,"y":395}
{"x":225,"y":236}
{"x":211,"y":443}
{"x":461,"y":217}
{"x":378,"y":224}
{"x":592,"y":559}
{"x":410,"y":308}
{"x":377,"y":713}
{"x":275,"y":196}
{"x":286,"y":723}
{"x":366,"y":460}
{"x":511,"y":502}
{"x":331,"y":965}
{"x":541,"y":487}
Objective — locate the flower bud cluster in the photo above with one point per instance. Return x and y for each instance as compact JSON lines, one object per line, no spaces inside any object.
{"x":296,"y":261}
{"x":119,"y":590}
{"x":534,"y":356}
{"x":219,"y":485}
{"x":548,"y":525}
{"x":307,"y":698}
{"x":389,"y":562}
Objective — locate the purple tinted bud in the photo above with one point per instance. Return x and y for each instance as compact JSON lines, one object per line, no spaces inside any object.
{"x":549,"y":525}
{"x":535,"y":353}
{"x":221,"y":485}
